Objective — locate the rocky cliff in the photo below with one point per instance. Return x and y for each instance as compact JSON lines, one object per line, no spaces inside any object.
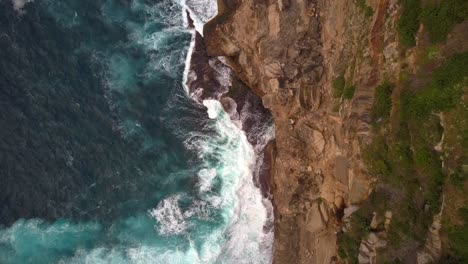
{"x":289,"y":52}
{"x":315,"y":64}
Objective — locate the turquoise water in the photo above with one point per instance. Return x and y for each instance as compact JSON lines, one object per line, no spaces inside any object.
{"x":115,"y":162}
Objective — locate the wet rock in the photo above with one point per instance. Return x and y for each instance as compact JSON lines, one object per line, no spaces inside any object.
{"x":230,"y":106}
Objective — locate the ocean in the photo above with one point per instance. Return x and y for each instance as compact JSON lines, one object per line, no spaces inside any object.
{"x":118,"y":141}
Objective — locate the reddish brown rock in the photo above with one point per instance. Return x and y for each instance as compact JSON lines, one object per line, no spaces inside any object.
{"x":289,"y":52}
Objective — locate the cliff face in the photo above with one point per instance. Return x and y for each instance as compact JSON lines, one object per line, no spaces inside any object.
{"x":289,"y":52}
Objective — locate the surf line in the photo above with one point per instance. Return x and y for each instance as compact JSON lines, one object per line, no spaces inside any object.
{"x":251,"y":212}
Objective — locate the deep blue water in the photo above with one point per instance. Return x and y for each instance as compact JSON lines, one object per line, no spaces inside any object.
{"x":104,"y":158}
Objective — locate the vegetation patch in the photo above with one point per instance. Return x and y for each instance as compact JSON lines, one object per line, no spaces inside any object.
{"x":439,"y":17}
{"x":368,"y":11}
{"x":408,"y":24}
{"x":382,"y":102}
{"x":342,"y":89}
{"x":428,"y":55}
{"x":348,"y":92}
{"x":411,"y":178}
{"x":350,"y":241}
{"x":458,"y":239}
{"x":444,"y":90}
{"x":338,"y":86}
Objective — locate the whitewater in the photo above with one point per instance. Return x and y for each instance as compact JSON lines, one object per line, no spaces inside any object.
{"x":224,"y":218}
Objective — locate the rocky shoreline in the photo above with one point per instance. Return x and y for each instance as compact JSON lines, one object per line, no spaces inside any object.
{"x":288,"y":52}
{"x":317,"y":66}
{"x":281,"y":60}
{"x":211,"y":78}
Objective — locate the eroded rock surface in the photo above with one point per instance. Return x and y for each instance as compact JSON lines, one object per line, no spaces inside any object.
{"x":289,"y":52}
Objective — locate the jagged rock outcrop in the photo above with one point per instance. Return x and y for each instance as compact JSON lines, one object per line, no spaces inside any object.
{"x":274,"y":47}
{"x":377,"y":239}
{"x":368,"y":248}
{"x":289,"y":52}
{"x":432,"y":250}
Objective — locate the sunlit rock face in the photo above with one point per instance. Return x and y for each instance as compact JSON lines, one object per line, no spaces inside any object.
{"x":289,"y":53}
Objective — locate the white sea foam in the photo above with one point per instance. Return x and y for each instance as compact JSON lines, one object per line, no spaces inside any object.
{"x":169,"y":216}
{"x":200,"y":209}
{"x":168,"y":12}
{"x":214,"y":108}
{"x":225,"y":180}
{"x":244,"y":208}
{"x":165,"y":53}
{"x":19,"y":4}
{"x":201,"y":12}
{"x":206,"y":177}
{"x":241,"y":238}
{"x":188,"y":62}
{"x":229,"y":158}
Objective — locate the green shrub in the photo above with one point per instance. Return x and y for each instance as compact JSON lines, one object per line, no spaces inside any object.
{"x":368,"y":11}
{"x":457,"y":180}
{"x":435,"y":191}
{"x":342,"y":253}
{"x":458,"y":236}
{"x":452,"y":75}
{"x":393,"y":236}
{"x":377,"y":150}
{"x":382,"y":102}
{"x":451,"y":259}
{"x":402,"y":155}
{"x":423,"y":157}
{"x":444,"y":90}
{"x":348,"y":247}
{"x":428,"y":54}
{"x":348,"y":92}
{"x":408,"y":23}
{"x":463,"y":214}
{"x":439,"y":17}
{"x":338,"y":86}
{"x":349,"y":242}
{"x":340,"y":89}
{"x":459,"y":240}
